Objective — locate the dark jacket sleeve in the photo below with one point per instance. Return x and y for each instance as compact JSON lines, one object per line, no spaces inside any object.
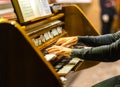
{"x":99,"y":40}
{"x":106,"y":53}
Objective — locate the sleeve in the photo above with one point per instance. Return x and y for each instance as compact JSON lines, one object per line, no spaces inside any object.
{"x":99,"y":40}
{"x":105,"y":53}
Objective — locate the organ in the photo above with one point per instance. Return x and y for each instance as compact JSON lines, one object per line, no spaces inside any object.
{"x":24,"y":60}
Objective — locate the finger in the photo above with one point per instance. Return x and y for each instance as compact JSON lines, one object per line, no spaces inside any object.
{"x":51,"y":47}
{"x":57,"y":52}
{"x":68,"y":44}
{"x":59,"y":42}
{"x":52,"y":50}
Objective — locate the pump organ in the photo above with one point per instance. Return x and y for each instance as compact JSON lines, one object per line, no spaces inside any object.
{"x":44,"y":33}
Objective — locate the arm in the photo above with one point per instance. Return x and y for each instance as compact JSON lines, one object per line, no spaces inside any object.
{"x":100,"y":53}
{"x":99,"y":40}
{"x":106,"y":53}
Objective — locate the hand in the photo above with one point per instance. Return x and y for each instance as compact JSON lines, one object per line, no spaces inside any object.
{"x":105,"y":18}
{"x":59,"y":50}
{"x":67,"y":41}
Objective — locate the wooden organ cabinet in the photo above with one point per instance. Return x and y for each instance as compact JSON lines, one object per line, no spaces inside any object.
{"x":23,"y":58}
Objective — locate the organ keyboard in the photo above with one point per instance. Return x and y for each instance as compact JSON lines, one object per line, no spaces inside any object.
{"x":44,"y":36}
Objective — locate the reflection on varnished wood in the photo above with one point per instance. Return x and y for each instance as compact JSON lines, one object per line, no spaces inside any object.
{"x":88,"y":64}
{"x":76,"y":22}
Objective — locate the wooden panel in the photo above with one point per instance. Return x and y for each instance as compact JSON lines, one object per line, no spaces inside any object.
{"x":21,"y":63}
{"x":76,"y":23}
